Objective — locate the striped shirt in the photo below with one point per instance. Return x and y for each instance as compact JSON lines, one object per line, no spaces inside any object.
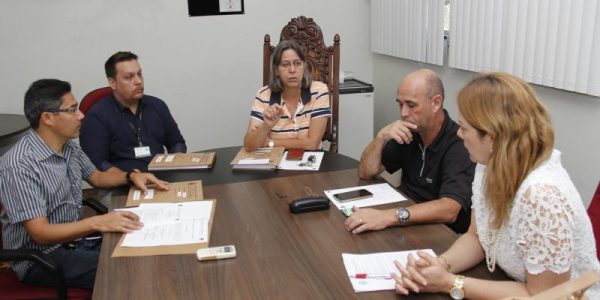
{"x":37,"y":182}
{"x":314,"y":103}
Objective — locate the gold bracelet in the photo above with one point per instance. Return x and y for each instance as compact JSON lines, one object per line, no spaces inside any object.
{"x":445,"y":261}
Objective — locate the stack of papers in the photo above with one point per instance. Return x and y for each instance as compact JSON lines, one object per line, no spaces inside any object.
{"x":261,"y":159}
{"x":170,"y":224}
{"x":276,"y":158}
{"x":383,"y":193}
{"x":374,"y":270}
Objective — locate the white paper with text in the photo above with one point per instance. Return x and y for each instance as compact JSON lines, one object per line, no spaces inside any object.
{"x":383,"y":193}
{"x":170,"y":224}
{"x":375,"y":264}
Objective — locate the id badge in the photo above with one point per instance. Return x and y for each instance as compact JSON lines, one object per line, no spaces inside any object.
{"x":142,"y":151}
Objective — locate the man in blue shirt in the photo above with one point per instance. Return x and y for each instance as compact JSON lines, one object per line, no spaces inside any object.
{"x":40,"y":189}
{"x":126,"y":129}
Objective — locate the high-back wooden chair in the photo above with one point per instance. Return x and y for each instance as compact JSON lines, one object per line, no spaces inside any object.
{"x":323,"y":63}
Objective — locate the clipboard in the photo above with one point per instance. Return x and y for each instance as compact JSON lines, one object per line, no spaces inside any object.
{"x":180,"y":192}
{"x":120,"y":251}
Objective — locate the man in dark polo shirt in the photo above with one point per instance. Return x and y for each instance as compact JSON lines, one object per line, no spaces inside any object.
{"x":436,"y":170}
{"x":127,"y":128}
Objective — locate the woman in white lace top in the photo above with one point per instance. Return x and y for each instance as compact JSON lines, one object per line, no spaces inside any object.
{"x":527,"y":218}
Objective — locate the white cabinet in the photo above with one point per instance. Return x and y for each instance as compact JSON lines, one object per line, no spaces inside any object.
{"x":355,"y":117}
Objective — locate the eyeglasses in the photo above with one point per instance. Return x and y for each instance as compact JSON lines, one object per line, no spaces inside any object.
{"x":70,"y":110}
{"x":312,"y":159}
{"x":287,"y":64}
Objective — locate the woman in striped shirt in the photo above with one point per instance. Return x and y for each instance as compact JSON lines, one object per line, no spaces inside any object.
{"x":292,"y":110}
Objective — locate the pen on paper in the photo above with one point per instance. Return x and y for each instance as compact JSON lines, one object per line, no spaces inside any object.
{"x":372,"y":276}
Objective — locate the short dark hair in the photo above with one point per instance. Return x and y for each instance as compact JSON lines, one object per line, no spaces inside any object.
{"x":43,"y":95}
{"x":109,"y":65}
{"x":275,"y":83}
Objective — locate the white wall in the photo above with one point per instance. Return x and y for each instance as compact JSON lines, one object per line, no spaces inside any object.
{"x":575,"y":116}
{"x":207,"y":68}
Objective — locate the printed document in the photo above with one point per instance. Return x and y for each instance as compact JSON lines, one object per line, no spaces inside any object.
{"x":170,"y":224}
{"x":375,"y":269}
{"x":383,"y":193}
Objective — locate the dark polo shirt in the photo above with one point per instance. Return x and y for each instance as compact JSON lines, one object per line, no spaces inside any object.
{"x":110,"y":132}
{"x":443,"y":169}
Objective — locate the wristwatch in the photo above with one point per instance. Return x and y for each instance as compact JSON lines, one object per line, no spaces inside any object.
{"x":128,"y":175}
{"x":457,"y":292}
{"x":402,"y":214}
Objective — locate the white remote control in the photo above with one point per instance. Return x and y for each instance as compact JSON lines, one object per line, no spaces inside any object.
{"x":216,"y":253}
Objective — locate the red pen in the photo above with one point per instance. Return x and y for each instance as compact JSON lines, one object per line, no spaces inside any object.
{"x":371,"y":276}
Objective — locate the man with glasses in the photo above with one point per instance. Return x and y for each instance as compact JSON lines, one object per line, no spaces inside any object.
{"x":436,"y":170}
{"x":126,"y":129}
{"x":40,"y":190}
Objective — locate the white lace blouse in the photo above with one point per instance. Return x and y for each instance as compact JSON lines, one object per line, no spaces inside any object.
{"x":548,"y":228}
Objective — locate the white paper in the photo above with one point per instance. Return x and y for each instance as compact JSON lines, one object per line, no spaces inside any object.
{"x":301,"y":165}
{"x":230,"y":5}
{"x":149,"y":194}
{"x":170,"y":224}
{"x":383,"y":193}
{"x":252,"y":161}
{"x":375,"y":264}
{"x":137,"y":194}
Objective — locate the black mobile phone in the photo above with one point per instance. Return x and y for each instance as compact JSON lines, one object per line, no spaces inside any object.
{"x":353,"y":195}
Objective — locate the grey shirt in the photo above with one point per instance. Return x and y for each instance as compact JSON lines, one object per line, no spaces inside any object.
{"x":37,"y":182}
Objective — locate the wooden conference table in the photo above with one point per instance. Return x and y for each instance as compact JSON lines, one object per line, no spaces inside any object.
{"x":279,"y":255}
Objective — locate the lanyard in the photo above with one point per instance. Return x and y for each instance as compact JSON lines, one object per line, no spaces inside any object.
{"x":138,"y":131}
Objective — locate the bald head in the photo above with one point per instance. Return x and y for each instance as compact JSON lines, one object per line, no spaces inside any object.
{"x":421,"y":96}
{"x":424,"y":79}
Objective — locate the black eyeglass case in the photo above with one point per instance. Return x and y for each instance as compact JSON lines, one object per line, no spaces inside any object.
{"x":309,"y":204}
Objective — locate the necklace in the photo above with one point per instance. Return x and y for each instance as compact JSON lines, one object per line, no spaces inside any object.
{"x":492,"y":236}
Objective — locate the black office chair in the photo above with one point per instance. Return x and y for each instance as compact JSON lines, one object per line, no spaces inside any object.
{"x":12,"y":288}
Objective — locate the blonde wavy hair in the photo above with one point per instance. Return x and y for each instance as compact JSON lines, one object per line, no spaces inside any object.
{"x":508,"y":109}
